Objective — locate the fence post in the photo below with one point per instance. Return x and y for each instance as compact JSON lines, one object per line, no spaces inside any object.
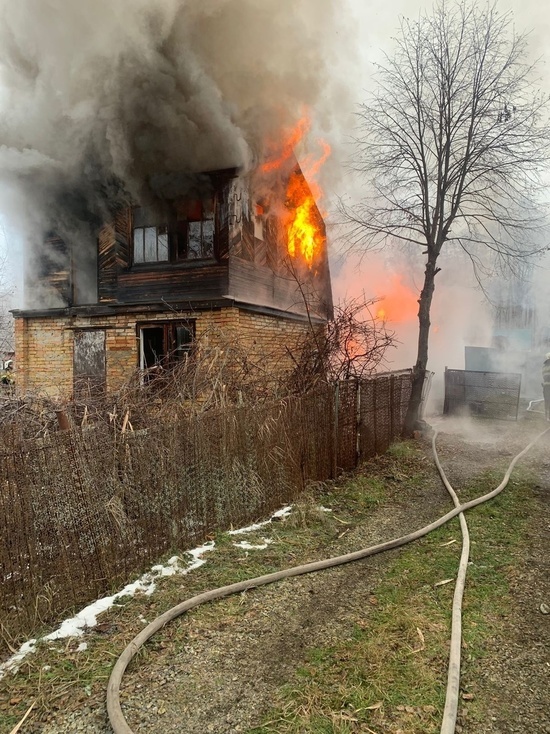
{"x":375,"y":414}
{"x":392,"y":406}
{"x":358,"y":424}
{"x":336,"y":414}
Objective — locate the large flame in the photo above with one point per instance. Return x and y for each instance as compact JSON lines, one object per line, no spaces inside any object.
{"x":303,"y":224}
{"x":305,"y":234}
{"x":282,"y":154}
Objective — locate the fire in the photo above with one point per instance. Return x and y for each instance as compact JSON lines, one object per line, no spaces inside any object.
{"x":304,"y":227}
{"x":400,"y":303}
{"x":286,"y":152}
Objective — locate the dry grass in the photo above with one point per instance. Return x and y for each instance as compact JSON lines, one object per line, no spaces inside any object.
{"x":385,"y":674}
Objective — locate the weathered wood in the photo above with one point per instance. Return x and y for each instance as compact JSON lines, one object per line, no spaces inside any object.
{"x":245,"y":267}
{"x":247,"y":251}
{"x":173,"y":283}
{"x":107,"y":263}
{"x":221,"y":207}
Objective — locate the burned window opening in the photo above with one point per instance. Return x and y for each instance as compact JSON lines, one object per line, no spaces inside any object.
{"x":164,"y":345}
{"x":180,"y":232}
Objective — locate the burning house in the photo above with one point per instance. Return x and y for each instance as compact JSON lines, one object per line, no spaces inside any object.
{"x":225,"y":256}
{"x":147,"y":174}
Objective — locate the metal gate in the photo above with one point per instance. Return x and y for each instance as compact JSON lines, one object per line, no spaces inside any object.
{"x":482,"y":394}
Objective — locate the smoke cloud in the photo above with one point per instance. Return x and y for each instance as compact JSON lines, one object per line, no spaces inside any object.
{"x":460,"y":314}
{"x":98,"y":97}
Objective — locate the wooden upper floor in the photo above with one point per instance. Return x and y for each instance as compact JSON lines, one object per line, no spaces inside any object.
{"x":220,"y":245}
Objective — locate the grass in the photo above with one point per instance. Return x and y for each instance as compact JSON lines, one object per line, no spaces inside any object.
{"x":386,"y":673}
{"x":390,"y":673}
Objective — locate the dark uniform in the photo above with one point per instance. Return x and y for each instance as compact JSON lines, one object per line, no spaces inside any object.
{"x":546,"y":385}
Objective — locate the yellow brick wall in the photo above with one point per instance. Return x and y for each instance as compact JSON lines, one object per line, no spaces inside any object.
{"x":44,"y":346}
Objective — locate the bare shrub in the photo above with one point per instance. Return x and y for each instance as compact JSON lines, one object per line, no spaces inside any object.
{"x":351,"y":346}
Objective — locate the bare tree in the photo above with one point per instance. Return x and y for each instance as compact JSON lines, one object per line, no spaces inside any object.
{"x":453,"y":145}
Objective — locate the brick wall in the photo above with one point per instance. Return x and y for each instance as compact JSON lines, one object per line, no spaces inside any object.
{"x":44,"y":346}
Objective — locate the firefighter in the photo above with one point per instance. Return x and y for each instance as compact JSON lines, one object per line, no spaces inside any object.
{"x":546,"y":385}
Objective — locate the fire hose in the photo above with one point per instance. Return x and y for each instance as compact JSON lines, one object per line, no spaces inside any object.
{"x":116,"y":717}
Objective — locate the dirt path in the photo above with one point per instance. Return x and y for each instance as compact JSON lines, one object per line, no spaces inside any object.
{"x":514,"y":677}
{"x":223,"y":677}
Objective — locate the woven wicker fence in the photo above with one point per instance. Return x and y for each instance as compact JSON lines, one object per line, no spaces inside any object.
{"x":83,"y":509}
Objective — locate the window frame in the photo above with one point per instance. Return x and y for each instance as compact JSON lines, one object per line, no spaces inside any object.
{"x":177,"y":230}
{"x":158,"y":235}
{"x":170,"y":357}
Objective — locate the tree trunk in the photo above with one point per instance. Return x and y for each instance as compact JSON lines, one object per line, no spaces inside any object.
{"x":419,"y":370}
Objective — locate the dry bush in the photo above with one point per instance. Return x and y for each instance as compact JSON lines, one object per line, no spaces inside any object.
{"x":351,"y":346}
{"x":220,"y":371}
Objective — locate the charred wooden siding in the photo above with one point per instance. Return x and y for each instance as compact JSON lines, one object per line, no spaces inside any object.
{"x":250,"y":283}
{"x":107,"y":264}
{"x":113,"y":254}
{"x":250,"y":262}
{"x":173,"y":283}
{"x":261,"y":272}
{"x":222,"y":244}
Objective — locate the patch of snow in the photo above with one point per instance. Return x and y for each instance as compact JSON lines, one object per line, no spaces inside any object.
{"x":284,"y":512}
{"x":87,"y":617}
{"x":13,"y":663}
{"x":249,"y":546}
{"x":83,"y":646}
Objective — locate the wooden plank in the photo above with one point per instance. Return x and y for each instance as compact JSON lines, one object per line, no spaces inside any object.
{"x":173,"y":284}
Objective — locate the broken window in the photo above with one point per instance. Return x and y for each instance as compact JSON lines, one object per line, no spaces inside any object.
{"x":163,"y":345}
{"x":89,"y":363}
{"x":181,"y":232}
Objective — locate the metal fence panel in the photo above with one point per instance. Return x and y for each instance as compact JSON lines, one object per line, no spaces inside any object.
{"x":482,"y":394}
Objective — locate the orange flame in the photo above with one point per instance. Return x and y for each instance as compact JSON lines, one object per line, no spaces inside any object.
{"x":294,"y":137}
{"x":304,"y":231}
{"x":304,"y":226}
{"x":400,"y":303}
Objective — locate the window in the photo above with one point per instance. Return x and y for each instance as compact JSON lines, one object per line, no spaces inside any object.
{"x":200,"y":239}
{"x":150,"y":244}
{"x":174,"y":234}
{"x":163,"y":345}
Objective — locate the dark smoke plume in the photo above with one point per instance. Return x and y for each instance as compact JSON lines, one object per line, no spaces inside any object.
{"x":100,"y":96}
{"x":110,"y":92}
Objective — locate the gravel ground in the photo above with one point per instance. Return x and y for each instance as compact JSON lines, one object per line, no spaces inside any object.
{"x":224,"y":677}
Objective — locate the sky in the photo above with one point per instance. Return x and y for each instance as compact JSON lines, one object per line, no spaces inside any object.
{"x":317,"y":52}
